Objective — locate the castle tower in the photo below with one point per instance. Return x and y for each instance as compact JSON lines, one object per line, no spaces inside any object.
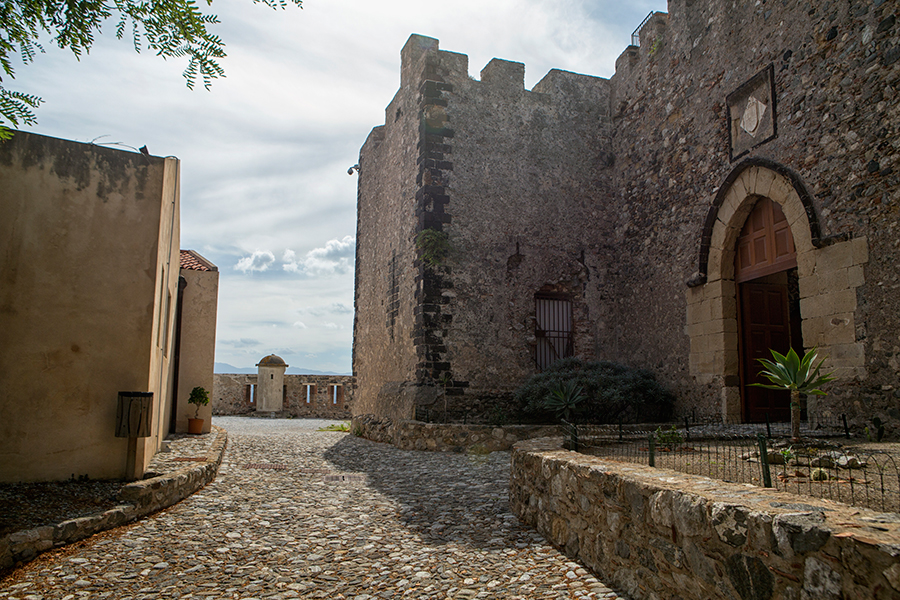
{"x":474,"y":199}
{"x":270,"y":384}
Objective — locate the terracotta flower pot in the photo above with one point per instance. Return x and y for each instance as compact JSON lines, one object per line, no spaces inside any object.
{"x":195,"y":426}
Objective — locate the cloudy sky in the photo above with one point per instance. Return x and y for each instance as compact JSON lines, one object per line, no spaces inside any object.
{"x":265,"y":193}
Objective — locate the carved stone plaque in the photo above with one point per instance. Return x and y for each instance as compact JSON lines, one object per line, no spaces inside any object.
{"x":751,"y":110}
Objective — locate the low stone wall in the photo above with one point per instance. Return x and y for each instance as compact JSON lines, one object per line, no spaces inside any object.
{"x":441,"y":437}
{"x":232,"y":395}
{"x":138,"y":499}
{"x":660,"y":534}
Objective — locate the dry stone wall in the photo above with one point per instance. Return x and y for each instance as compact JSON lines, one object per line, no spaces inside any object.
{"x":445,"y":437}
{"x":231,"y":395}
{"x":659,"y":534}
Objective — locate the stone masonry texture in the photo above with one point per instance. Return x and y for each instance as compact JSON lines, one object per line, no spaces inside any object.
{"x":660,"y":534}
{"x":609,"y":192}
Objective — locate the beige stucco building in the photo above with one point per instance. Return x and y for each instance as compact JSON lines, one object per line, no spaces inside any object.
{"x":89,"y":264}
{"x":196,"y":337}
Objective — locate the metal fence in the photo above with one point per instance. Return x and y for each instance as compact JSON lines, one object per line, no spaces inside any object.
{"x":823,"y":465}
{"x":636,"y":35}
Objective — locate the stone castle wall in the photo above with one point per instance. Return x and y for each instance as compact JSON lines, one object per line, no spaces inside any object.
{"x":627,"y":195}
{"x":231,"y":395}
{"x":510,"y":176}
{"x":836,"y":71}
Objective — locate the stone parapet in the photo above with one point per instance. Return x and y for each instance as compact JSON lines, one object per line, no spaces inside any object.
{"x":656,"y":533}
{"x":445,"y":437}
{"x":139,"y":499}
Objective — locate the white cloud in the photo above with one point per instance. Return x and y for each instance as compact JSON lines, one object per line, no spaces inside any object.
{"x":300,"y":325}
{"x":332,"y":326}
{"x":335,"y":308}
{"x":260,"y":260}
{"x":335,"y":258}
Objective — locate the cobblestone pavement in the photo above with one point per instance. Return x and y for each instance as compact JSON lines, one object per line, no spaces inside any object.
{"x":298,"y":513}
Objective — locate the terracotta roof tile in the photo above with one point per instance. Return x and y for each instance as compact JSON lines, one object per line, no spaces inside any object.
{"x":192,"y":261}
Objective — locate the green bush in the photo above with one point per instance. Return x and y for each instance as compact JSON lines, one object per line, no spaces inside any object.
{"x":612,"y":392}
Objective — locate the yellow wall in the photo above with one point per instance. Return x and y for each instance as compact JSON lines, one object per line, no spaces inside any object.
{"x":83,"y":240}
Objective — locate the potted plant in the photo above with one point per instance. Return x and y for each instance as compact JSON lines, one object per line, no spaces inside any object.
{"x":199,"y":397}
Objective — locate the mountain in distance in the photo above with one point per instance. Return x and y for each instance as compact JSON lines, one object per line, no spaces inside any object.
{"x":230,"y":369}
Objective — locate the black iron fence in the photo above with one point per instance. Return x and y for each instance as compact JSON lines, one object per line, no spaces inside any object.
{"x":824,"y":464}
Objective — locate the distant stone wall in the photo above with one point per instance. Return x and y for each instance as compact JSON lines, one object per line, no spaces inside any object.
{"x":655,"y":533}
{"x":440,"y":437}
{"x":233,"y":395}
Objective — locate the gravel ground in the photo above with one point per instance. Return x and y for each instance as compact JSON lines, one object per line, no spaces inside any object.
{"x":295,"y":512}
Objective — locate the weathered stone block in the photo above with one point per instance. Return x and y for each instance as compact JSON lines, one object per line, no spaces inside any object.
{"x":837,"y":279}
{"x":730,"y":523}
{"x":853,"y":354}
{"x":750,"y":577}
{"x":838,"y":329}
{"x":799,"y":533}
{"x":806,"y":262}
{"x":834,"y":257}
{"x":821,"y":582}
{"x":859,"y":250}
{"x":855,"y":276}
{"x":809,"y":286}
{"x":813,"y":328}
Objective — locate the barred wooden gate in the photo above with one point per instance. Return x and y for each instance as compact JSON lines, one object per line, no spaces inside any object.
{"x":553,"y":329}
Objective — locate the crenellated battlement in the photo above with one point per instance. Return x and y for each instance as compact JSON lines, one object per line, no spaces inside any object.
{"x":422,"y":60}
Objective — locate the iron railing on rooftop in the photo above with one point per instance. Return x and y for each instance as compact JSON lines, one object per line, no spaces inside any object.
{"x":636,"y":34}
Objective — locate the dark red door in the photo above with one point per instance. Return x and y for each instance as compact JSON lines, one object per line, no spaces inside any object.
{"x":765,"y":324}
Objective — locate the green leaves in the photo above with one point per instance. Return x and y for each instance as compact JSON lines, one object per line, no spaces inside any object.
{"x":790,"y":372}
{"x":613,"y":392}
{"x":172,"y":28}
{"x":564,"y":399}
{"x":16,"y":107}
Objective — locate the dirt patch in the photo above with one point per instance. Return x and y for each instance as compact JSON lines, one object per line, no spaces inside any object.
{"x":30,"y":505}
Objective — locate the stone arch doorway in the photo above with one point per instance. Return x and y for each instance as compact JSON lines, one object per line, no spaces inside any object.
{"x":768,"y":305}
{"x":828,"y":271}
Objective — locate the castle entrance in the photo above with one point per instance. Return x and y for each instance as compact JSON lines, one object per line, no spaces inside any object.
{"x":768,"y":306}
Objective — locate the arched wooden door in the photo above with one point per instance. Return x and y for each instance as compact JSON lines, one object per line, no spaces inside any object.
{"x":764,"y":257}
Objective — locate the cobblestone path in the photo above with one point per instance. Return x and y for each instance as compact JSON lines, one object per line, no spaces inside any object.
{"x":298,"y":513}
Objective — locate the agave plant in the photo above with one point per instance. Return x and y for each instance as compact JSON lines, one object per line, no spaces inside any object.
{"x":799,"y":375}
{"x":564,"y":398}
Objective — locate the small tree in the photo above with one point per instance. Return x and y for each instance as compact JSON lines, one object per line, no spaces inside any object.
{"x":798,"y":375}
{"x":199,"y":397}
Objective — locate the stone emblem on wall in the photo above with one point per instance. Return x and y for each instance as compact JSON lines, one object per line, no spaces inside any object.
{"x":751,"y":109}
